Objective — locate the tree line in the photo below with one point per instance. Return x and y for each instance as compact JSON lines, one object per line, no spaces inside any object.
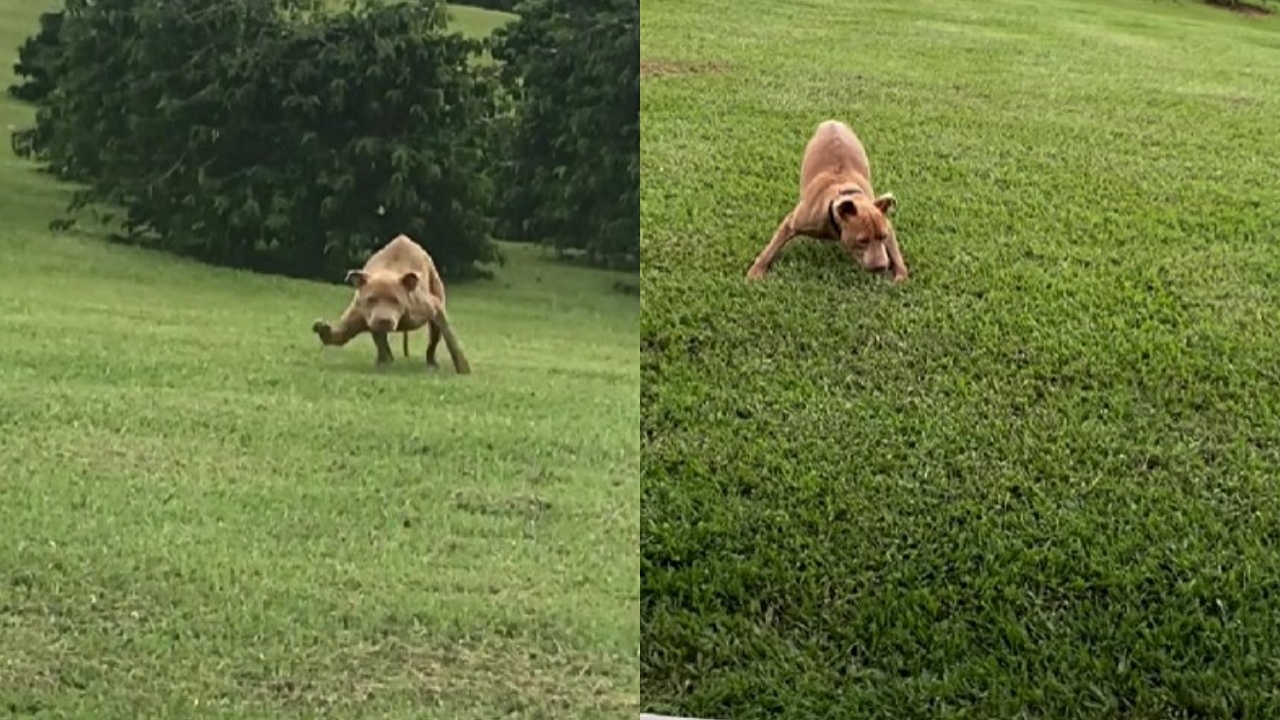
{"x":284,"y":137}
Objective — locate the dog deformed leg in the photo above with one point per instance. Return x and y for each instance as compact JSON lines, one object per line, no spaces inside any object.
{"x":350,"y":325}
{"x":460,"y":364}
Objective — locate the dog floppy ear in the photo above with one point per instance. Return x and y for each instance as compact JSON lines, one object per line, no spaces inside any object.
{"x":410,"y":280}
{"x":356,"y":278}
{"x":846,"y":208}
{"x":886,"y":203}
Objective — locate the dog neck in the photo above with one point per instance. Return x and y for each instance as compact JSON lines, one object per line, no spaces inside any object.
{"x":831,"y":207}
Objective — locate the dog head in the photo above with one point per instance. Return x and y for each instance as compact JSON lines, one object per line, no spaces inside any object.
{"x":864,"y":225}
{"x":383,"y":296}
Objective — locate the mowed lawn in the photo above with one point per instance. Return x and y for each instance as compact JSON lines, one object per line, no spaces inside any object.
{"x":471,"y":21}
{"x":205,"y":514}
{"x":1039,"y":480}
{"x":477,"y":22}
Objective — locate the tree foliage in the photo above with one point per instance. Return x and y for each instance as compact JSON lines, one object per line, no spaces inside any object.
{"x":258,"y":135}
{"x":574,"y":147}
{"x":271,"y":135}
{"x":37,"y":60}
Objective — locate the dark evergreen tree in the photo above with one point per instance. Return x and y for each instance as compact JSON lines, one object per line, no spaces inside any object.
{"x":37,"y":61}
{"x":573,"y":68}
{"x":260,"y":135}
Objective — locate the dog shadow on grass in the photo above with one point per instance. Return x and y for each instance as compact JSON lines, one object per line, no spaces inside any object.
{"x":360,"y":361}
{"x":401,"y":367}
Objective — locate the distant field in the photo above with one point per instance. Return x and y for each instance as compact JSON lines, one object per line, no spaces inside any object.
{"x":204,"y":514}
{"x":477,"y":22}
{"x":1039,"y":480}
{"x":471,"y":21}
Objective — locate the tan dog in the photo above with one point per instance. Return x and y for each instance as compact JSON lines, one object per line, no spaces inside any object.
{"x":398,"y":289}
{"x":837,"y":203}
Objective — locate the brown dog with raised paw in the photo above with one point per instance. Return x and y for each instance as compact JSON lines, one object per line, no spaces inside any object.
{"x":837,"y":203}
{"x":397,"y":290}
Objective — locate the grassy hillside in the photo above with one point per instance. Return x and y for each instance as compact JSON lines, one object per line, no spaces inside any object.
{"x":472,"y":21}
{"x":477,"y":22}
{"x":204,"y":514}
{"x":1039,"y":479}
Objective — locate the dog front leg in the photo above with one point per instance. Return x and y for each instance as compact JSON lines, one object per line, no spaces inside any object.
{"x":381,"y":341}
{"x":896,"y":264}
{"x":350,"y":325}
{"x":785,"y":233}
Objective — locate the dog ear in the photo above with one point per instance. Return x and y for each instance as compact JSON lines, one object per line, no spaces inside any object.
{"x":410,"y":280}
{"x":356,"y":278}
{"x":846,"y":209}
{"x":886,"y":203}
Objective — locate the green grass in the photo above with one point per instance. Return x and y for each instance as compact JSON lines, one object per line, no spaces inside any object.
{"x":473,"y":22}
{"x":1039,"y":480}
{"x":477,"y":22}
{"x":470,"y":21}
{"x":205,"y":514}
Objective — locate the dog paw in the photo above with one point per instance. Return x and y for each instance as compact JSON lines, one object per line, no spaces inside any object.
{"x":322,"y":331}
{"x":899,"y":277}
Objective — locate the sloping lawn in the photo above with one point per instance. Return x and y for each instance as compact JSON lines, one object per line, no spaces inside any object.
{"x":204,"y":514}
{"x":1041,"y":479}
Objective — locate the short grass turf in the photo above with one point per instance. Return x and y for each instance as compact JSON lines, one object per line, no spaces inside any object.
{"x":1039,"y":480}
{"x":204,"y":514}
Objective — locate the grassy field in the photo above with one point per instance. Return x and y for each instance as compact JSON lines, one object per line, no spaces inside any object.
{"x":1039,"y":480}
{"x":204,"y":514}
{"x":472,"y":21}
{"x":477,"y":22}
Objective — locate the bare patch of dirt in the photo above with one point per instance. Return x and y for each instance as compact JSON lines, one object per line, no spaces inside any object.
{"x":669,"y":68}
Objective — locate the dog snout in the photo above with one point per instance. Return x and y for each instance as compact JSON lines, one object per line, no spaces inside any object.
{"x":874,"y":262}
{"x":875,"y":258}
